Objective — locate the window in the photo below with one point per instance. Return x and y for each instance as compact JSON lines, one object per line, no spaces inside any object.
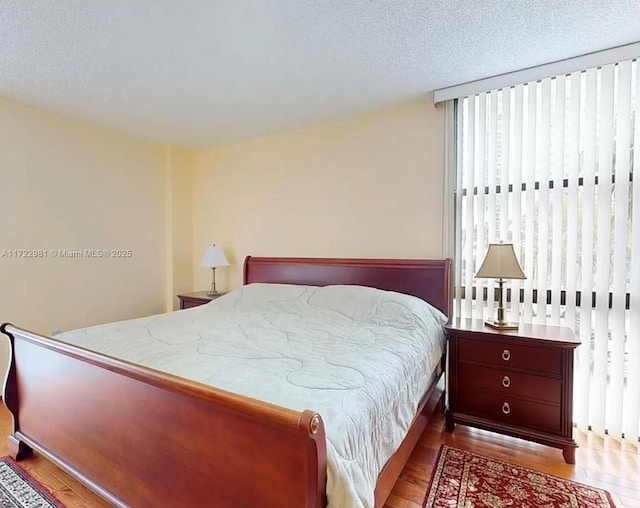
{"x":548,"y":165}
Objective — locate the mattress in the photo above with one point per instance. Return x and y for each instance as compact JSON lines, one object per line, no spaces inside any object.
{"x":360,"y":357}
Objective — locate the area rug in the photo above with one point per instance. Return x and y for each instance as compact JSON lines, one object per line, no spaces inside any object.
{"x":469,"y":480}
{"x":18,"y":489}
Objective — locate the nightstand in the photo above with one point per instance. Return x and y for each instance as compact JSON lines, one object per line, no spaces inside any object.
{"x":515,"y":382}
{"x":189,"y":300}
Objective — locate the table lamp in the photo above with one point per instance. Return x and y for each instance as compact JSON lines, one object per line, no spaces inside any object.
{"x":500,"y":263}
{"x":213,"y":258}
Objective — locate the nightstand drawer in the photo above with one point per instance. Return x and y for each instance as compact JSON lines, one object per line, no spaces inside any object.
{"x":189,"y":300}
{"x":187,"y":304}
{"x":509,"y":382}
{"x":515,"y":356}
{"x":510,"y":410}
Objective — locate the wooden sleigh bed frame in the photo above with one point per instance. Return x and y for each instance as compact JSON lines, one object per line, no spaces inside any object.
{"x":140,"y":437}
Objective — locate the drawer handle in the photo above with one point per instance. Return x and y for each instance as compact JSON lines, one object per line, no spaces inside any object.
{"x":506,"y":355}
{"x":506,"y":381}
{"x":505,"y":408}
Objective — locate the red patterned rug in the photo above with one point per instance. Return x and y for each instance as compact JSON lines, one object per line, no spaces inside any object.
{"x":469,"y":480}
{"x":18,"y":489}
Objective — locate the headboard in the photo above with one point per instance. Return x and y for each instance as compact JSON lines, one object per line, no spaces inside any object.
{"x":426,"y":279}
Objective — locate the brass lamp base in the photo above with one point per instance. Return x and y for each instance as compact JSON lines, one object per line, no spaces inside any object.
{"x":213,"y":291}
{"x":496,"y":325}
{"x":501,"y":323}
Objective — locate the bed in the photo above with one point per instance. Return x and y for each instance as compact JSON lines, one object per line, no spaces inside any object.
{"x":139,"y":436}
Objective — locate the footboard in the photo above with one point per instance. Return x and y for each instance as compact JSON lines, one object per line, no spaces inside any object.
{"x":144,"y":438}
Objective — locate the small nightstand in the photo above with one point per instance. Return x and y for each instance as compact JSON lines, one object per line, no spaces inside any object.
{"x":516,"y":382}
{"x":189,"y":300}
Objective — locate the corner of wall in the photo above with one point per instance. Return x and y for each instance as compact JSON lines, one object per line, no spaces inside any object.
{"x":168,"y":226}
{"x":449,"y":183}
{"x":179,"y":171}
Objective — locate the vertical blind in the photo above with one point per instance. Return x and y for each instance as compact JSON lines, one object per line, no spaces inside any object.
{"x":548,"y":165}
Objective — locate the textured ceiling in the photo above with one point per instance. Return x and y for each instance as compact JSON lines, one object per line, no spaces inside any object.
{"x":202,"y":72}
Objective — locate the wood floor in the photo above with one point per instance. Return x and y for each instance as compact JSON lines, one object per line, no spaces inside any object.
{"x":600,"y":462}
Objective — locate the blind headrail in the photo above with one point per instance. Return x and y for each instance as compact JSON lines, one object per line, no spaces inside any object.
{"x":566,"y":66}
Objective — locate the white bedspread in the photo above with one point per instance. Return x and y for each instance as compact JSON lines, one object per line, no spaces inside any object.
{"x":360,"y":357}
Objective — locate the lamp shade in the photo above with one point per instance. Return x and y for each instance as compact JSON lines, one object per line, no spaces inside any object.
{"x":500,"y":263}
{"x":214,"y":256}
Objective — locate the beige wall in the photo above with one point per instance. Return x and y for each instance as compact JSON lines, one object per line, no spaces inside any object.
{"x":368,"y":186}
{"x":69,"y":185}
{"x":179,"y":186}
